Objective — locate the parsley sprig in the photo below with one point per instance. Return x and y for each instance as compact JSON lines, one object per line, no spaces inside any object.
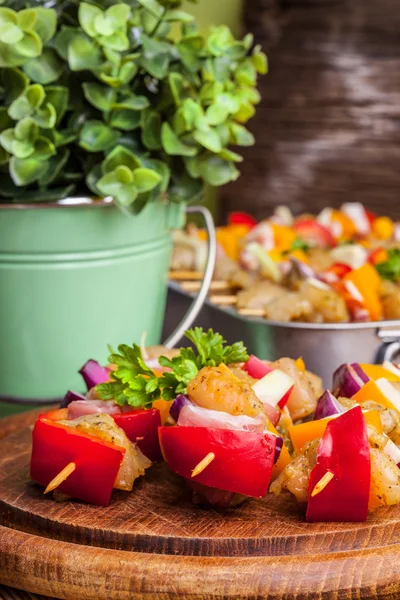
{"x":390,"y":269}
{"x":134,"y":383}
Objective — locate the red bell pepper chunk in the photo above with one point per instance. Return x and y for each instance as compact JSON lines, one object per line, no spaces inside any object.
{"x":256,"y":367}
{"x":141,"y":426}
{"x":336,"y":272}
{"x":243,"y":460}
{"x":54,"y":446}
{"x":344,"y":452}
{"x":241,"y":218}
{"x":371,"y":216}
{"x":310,"y":231}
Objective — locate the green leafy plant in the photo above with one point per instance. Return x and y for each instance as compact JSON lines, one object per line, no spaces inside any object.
{"x":390,"y":269}
{"x":136,"y":384}
{"x":123,"y":99}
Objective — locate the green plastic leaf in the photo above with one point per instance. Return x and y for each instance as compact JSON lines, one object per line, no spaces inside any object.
{"x":209,"y":139}
{"x":26,"y":19}
{"x":58,"y":97}
{"x":120,"y":156}
{"x":46,"y":23}
{"x":173,"y":145}
{"x":217,"y":171}
{"x":145,"y":179}
{"x":84,"y":54}
{"x":87,"y":15}
{"x":7,"y":139}
{"x":103,"y":26}
{"x":227,"y":154}
{"x":176,"y":85}
{"x":20,"y":108}
{"x":184,"y":188}
{"x":26,"y":170}
{"x":217,"y":114}
{"x":97,"y":136}
{"x":26,"y":129}
{"x":44,"y":149}
{"x":246,"y":73}
{"x":153,"y":7}
{"x":35,"y":94}
{"x":192,"y":112}
{"x":117,"y":41}
{"x":11,"y":34}
{"x":189,"y":51}
{"x":192,"y":166}
{"x":126,"y":119}
{"x":8,"y":17}
{"x":55,"y":165}
{"x":161,"y":168}
{"x":46,"y":117}
{"x":100,"y":96}
{"x":63,"y":40}
{"x":44,"y":69}
{"x":259,"y":60}
{"x":114,"y":184}
{"x":30,"y":45}
{"x":151,"y":130}
{"x":15,"y":83}
{"x":118,"y":15}
{"x":178,"y":15}
{"x":245,"y":112}
{"x":241,"y":136}
{"x":156,"y":57}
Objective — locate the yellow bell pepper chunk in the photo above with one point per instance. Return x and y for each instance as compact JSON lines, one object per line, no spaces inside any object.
{"x":348,"y":227}
{"x":380,"y":391}
{"x":300,"y":255}
{"x":284,"y":457}
{"x":300,"y":364}
{"x":163,"y":406}
{"x":283,"y":237}
{"x":367,"y":282}
{"x":313,"y":430}
{"x":383,"y":228}
{"x":378,"y":372}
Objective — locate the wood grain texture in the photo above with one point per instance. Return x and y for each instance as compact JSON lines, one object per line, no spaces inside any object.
{"x":327,"y":129}
{"x":154,"y":543}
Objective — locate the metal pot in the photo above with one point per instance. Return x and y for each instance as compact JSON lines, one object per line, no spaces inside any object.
{"x":323,"y":347}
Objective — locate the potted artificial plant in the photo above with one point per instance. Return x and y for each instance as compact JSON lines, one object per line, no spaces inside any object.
{"x":100,"y":100}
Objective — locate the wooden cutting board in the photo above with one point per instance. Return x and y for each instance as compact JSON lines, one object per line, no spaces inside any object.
{"x":154,"y":544}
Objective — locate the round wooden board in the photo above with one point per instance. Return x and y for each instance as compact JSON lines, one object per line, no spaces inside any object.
{"x":153,"y":543}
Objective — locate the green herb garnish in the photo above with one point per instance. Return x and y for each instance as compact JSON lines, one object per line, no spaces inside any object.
{"x":297,"y":244}
{"x":136,"y":384}
{"x":390,"y":269}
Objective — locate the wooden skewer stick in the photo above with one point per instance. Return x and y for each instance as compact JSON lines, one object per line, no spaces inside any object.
{"x":228,"y":300}
{"x":322,"y":483}
{"x":251,"y":312}
{"x":203,"y":464}
{"x":183,"y":275}
{"x":62,"y":476}
{"x":215,"y":286}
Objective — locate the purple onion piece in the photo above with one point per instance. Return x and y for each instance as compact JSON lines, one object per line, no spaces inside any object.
{"x":346,"y":381}
{"x":304,"y":271}
{"x":360,"y":372}
{"x":278,"y":448}
{"x":93,"y":373}
{"x":71,"y":396}
{"x":177,"y":405}
{"x":327,"y":406}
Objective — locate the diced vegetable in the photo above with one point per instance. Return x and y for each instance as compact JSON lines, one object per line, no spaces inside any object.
{"x":351,"y":255}
{"x":335,"y":273}
{"x":347,"y":380}
{"x":327,"y":406}
{"x":363,"y":287}
{"x":383,"y":228}
{"x":71,"y":396}
{"x":393,"y":451}
{"x":93,"y":373}
{"x":241,"y":461}
{"x":197,"y":416}
{"x":385,"y":371}
{"x":241,"y":218}
{"x":343,"y":459}
{"x":314,"y":234}
{"x":268,"y":266}
{"x":313,"y":430}
{"x":380,"y":391}
{"x":54,"y":446}
{"x":177,"y":405}
{"x":358,"y":215}
{"x":141,"y":427}
{"x":256,"y":367}
{"x":274,"y":388}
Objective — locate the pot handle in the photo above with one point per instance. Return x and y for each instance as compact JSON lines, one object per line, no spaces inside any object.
{"x":198,"y":302}
{"x":389,"y":347}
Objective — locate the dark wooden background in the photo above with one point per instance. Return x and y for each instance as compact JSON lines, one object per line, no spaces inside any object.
{"x":328,"y":127}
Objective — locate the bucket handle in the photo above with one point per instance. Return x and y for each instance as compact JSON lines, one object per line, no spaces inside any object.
{"x":198,"y":302}
{"x":389,"y":347}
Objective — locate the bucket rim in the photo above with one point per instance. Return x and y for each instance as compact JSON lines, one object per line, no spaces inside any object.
{"x":69,"y":202}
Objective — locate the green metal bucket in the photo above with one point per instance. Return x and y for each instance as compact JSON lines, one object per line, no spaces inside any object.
{"x":74,"y":277}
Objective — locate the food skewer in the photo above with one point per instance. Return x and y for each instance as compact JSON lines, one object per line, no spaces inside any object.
{"x":185,"y":275}
{"x":215,"y":286}
{"x":60,"y":477}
